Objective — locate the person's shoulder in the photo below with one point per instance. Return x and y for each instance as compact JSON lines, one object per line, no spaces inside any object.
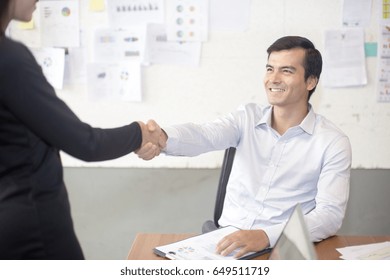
{"x":326,"y":125}
{"x":12,"y":51}
{"x":11,"y":45}
{"x":254,"y":108}
{"x":251,"y":112}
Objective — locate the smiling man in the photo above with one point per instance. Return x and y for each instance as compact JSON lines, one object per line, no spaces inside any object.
{"x":285,"y":154}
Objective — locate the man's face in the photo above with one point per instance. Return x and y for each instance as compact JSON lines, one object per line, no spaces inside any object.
{"x":284,"y":80}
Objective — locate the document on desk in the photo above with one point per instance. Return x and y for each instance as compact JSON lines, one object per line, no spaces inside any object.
{"x":374,"y":251}
{"x":201,"y":247}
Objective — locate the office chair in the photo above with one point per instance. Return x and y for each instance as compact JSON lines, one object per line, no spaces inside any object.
{"x":221,"y":191}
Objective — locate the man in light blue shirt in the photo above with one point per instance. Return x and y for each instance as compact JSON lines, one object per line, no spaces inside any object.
{"x":285,"y":154}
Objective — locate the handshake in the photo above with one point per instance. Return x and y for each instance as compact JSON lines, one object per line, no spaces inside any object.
{"x":154,"y":139}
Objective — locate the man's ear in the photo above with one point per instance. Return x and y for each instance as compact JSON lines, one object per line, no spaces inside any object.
{"x":311,"y":83}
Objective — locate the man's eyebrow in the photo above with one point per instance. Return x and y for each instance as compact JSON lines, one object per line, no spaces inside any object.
{"x":292,"y":68}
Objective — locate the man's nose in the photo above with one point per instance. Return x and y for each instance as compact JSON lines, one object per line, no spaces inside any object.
{"x":274,"y":77}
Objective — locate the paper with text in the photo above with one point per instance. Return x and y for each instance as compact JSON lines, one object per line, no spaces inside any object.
{"x":60,"y":23}
{"x":344,"y":59}
{"x":201,"y":247}
{"x":374,"y":251}
{"x":161,"y":51}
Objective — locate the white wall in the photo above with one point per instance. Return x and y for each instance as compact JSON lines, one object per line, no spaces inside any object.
{"x":231,"y":72}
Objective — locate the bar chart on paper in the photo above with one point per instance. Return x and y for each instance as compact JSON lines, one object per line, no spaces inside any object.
{"x":135,"y":12}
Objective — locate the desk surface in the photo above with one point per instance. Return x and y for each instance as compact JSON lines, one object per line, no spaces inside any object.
{"x":142,"y":248}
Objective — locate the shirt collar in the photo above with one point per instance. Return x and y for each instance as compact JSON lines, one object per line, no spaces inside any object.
{"x":266,"y":118}
{"x":309,"y":121}
{"x":307,"y":124}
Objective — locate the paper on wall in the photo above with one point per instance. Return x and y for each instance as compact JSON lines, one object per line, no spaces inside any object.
{"x":343,"y":58}
{"x":114,"y":81}
{"x":52,"y":61}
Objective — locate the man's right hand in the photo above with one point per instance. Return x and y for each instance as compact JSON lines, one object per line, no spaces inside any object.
{"x":153,"y":140}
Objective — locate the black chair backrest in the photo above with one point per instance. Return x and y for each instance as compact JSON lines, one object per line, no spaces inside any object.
{"x":223,"y":180}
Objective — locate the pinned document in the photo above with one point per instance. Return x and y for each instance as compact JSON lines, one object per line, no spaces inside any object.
{"x":52,"y":61}
{"x":356,"y":13}
{"x":60,"y":23}
{"x":119,"y":45}
{"x":114,"y":81}
{"x":125,"y":13}
{"x":344,"y":58}
{"x":187,"y":20}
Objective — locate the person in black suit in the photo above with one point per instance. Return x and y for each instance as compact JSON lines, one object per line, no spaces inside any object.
{"x":35,"y":214}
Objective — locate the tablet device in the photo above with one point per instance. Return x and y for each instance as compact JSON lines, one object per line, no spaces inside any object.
{"x":294,"y":241}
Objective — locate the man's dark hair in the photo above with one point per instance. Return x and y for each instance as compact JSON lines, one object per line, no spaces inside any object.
{"x":313,"y":60}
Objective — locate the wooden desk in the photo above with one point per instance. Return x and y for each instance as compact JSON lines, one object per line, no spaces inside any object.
{"x":142,"y":248}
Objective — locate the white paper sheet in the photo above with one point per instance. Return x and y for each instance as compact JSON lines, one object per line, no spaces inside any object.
{"x":114,"y":81}
{"x":75,"y":67}
{"x":187,"y":20}
{"x":60,"y":23}
{"x":119,"y":45}
{"x":383,"y":72}
{"x":129,"y":13}
{"x":161,"y":51}
{"x":201,"y":247}
{"x":52,"y":61}
{"x":357,"y":13}
{"x":383,"y":77}
{"x":374,"y":251}
{"x":344,"y":59}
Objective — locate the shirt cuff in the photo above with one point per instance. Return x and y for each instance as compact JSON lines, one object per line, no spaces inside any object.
{"x":273,"y":233}
{"x":172,"y":135}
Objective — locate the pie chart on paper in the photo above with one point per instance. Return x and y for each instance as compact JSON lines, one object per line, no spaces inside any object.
{"x":65,"y":12}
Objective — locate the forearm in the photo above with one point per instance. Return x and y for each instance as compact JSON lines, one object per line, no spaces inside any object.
{"x":192,"y":139}
{"x":332,"y":192}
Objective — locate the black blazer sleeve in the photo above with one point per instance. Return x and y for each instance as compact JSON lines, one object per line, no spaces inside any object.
{"x":32,"y":100}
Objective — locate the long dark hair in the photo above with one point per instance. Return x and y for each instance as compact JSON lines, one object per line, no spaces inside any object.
{"x":4,"y":6}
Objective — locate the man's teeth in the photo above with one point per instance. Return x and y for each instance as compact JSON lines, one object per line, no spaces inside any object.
{"x":276,"y":89}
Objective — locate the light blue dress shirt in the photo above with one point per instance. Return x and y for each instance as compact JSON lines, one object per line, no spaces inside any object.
{"x":309,"y":164}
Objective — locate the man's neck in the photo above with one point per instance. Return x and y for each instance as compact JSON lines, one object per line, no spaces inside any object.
{"x":283,"y":119}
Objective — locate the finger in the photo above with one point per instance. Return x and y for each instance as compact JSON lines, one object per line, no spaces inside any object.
{"x":153,"y":152}
{"x":161,"y":142}
{"x":144,"y":149}
{"x":148,"y":151}
{"x":147,"y":155}
{"x":222,"y":245}
{"x":241,"y":252}
{"x":152,"y":125}
{"x":229,"y":249}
